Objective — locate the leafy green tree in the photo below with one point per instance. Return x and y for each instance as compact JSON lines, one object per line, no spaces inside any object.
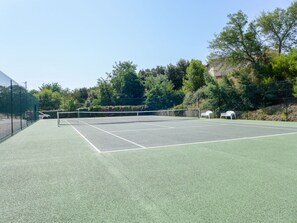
{"x":195,"y":98}
{"x":176,"y":73}
{"x":295,"y":89}
{"x":145,"y":73}
{"x":54,"y":87}
{"x":160,"y":93}
{"x":280,"y":27}
{"x":249,"y":90}
{"x":213,"y":93}
{"x":106,"y":93}
{"x":128,"y":88}
{"x":5,"y":99}
{"x":195,"y":76}
{"x":284,"y":66}
{"x":122,"y":67}
{"x":230,"y":94}
{"x":48,"y":99}
{"x":238,"y":42}
{"x":80,"y":95}
{"x":71,"y":104}
{"x":222,"y":96}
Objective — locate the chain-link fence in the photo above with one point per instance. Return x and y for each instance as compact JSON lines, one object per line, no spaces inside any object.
{"x":18,"y":108}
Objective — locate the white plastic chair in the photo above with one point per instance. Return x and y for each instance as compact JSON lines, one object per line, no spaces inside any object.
{"x":207,"y":114}
{"x":229,"y":114}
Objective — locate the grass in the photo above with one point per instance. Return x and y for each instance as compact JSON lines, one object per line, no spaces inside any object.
{"x":50,"y":174}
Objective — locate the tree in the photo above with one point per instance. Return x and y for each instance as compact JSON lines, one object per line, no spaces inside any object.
{"x":54,"y":87}
{"x":295,"y":89}
{"x":238,"y":42}
{"x":176,"y":73}
{"x":128,"y":88}
{"x":249,"y":90}
{"x":145,"y":73}
{"x":223,"y":95}
{"x":160,"y":93}
{"x":106,"y":93}
{"x":280,"y":28}
{"x":48,"y":99}
{"x":195,"y":98}
{"x":284,"y":66}
{"x":122,"y":67}
{"x":80,"y":95}
{"x":194,"y":76}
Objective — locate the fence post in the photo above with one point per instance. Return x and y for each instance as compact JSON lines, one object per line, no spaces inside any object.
{"x":21,"y":115}
{"x":11,"y":107}
{"x":286,"y":104}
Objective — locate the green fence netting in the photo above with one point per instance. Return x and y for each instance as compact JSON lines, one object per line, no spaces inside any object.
{"x":18,"y":108}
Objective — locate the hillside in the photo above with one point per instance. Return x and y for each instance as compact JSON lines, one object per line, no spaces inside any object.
{"x":273,"y":113}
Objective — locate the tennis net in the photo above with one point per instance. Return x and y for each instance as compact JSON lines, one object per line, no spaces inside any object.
{"x":118,"y":117}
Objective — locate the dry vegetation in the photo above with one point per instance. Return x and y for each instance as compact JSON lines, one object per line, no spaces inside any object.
{"x":273,"y":113}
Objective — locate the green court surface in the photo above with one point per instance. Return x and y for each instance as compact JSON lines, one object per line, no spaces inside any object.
{"x":51,"y":174}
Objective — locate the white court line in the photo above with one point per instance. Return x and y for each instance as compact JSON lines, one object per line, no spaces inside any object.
{"x":134,"y":143}
{"x":204,"y":142}
{"x":94,"y":147}
{"x":176,"y":127}
{"x":263,"y":127}
{"x":254,"y":126}
{"x":137,"y":130}
{"x":163,"y":126}
{"x":207,"y":124}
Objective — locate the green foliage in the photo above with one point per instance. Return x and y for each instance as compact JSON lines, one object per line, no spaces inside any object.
{"x":194,"y":76}
{"x":54,"y":87}
{"x":295,"y":89}
{"x":214,"y":101}
{"x":119,"y":108}
{"x":48,"y":99}
{"x":71,"y":105}
{"x":279,"y":28}
{"x":195,"y":98}
{"x":176,"y":73}
{"x":238,"y":42}
{"x":284,"y":66}
{"x":122,"y":67}
{"x":159,"y":70}
{"x":123,"y":88}
{"x":160,"y":93}
{"x":128,"y":88}
{"x":80,"y":95}
{"x":223,"y":96}
{"x":106,"y":93}
{"x":249,"y":91}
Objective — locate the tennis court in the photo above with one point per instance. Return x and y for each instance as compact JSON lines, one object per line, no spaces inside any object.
{"x":121,"y":133}
{"x":150,"y":170}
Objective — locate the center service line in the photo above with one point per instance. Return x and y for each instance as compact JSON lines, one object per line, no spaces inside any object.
{"x":163,"y":126}
{"x":134,"y":143}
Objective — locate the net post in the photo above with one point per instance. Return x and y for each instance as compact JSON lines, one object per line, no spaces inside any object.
{"x":58,"y":119}
{"x":78,"y":115}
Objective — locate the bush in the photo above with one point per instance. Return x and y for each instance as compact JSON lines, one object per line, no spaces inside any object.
{"x":119,"y":108}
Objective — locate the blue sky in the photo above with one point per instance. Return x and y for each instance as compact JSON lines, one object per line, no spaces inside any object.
{"x":75,"y":42}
